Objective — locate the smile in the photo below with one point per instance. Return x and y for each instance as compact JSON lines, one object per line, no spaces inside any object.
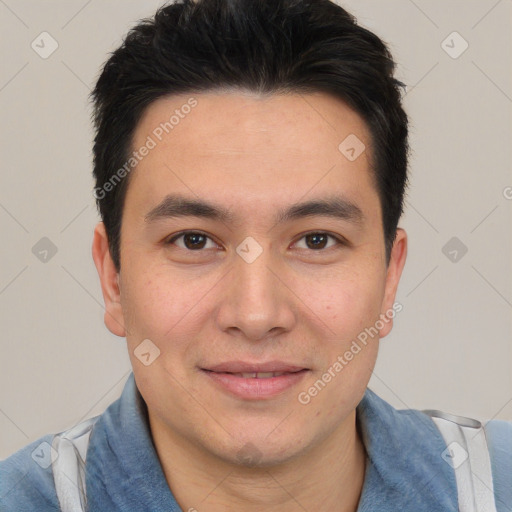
{"x":257,"y":375}
{"x":255,"y":385}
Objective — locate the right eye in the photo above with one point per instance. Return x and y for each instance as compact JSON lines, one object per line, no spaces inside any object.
{"x":191,"y":240}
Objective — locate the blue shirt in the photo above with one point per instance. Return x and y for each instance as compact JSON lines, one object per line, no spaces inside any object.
{"x":404,"y":470}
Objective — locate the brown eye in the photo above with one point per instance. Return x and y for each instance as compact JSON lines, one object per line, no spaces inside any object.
{"x":316,"y":241}
{"x":319,"y":240}
{"x":192,"y":240}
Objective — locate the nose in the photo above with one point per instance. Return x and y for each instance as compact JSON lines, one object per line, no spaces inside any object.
{"x":257,"y":303}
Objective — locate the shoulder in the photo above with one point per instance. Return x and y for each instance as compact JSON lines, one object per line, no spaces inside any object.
{"x":499,"y":441}
{"x":470,"y":443}
{"x":499,"y":438}
{"x":26,"y":479}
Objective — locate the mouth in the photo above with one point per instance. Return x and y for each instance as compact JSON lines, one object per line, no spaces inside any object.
{"x":257,"y":375}
{"x":255,"y":382}
{"x":243,"y":367}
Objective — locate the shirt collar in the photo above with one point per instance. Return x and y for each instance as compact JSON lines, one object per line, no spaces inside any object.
{"x":404,"y":467}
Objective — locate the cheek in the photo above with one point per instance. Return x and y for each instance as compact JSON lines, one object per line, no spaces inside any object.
{"x":347,"y":305}
{"x":146,"y":303}
{"x":162,"y":307}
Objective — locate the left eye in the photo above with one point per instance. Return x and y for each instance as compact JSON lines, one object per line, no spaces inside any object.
{"x":319,"y":240}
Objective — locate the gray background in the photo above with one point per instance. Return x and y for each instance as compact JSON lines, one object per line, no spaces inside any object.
{"x":450,"y":348}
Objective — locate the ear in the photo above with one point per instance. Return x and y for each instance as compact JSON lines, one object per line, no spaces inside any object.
{"x":109,"y":279}
{"x":394,"y":272}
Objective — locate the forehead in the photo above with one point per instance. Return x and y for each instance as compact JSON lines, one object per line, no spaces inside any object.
{"x":229,"y":145}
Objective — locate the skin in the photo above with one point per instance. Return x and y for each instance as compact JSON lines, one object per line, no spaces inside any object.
{"x":253,"y":155}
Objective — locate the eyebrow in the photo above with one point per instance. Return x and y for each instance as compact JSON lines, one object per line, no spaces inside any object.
{"x":174,"y":206}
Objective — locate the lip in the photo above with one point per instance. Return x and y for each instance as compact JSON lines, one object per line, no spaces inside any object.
{"x":245,"y":367}
{"x":250,"y":388}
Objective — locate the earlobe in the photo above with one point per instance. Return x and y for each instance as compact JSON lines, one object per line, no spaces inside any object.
{"x":394,"y":272}
{"x":109,"y":279}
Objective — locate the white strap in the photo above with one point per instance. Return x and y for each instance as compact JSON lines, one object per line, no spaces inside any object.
{"x":69,"y":466}
{"x":468,"y":454}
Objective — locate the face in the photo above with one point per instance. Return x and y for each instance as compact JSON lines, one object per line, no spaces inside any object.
{"x":249,"y":303}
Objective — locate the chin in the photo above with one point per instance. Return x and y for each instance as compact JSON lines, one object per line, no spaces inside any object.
{"x":259,"y":453}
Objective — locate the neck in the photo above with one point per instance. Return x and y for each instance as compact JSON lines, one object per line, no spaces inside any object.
{"x":329,"y":477}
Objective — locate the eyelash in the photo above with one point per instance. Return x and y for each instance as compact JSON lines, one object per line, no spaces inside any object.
{"x":340,"y":241}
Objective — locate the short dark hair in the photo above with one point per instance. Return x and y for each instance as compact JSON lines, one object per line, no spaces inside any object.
{"x":277,"y":46}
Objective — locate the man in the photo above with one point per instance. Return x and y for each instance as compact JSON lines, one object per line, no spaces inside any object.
{"x":250,"y":162}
